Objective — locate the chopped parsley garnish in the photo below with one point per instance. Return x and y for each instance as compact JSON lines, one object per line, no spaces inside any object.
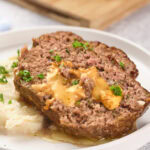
{"x":14,"y":64}
{"x":51,"y":51}
{"x":18,"y":52}
{"x":75,"y":82}
{"x":1,"y":98}
{"x":86,"y":45}
{"x":122,"y":65}
{"x":3,"y":79}
{"x":67,"y":51}
{"x":10,"y":102}
{"x":116,"y":90}
{"x":25,"y":75}
{"x":41,"y":76}
{"x":57,"y":58}
{"x":3,"y":70}
{"x":77,"y":44}
{"x":27,"y":79}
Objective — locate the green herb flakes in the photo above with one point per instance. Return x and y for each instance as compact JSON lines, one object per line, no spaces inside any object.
{"x":76,"y":44}
{"x":14,"y":64}
{"x":75,"y":82}
{"x":85,"y":46}
{"x":27,"y":79}
{"x":1,"y":98}
{"x":18,"y":52}
{"x":10,"y":102}
{"x":25,"y":75}
{"x":57,"y":58}
{"x":51,"y":51}
{"x":3,"y":79}
{"x":41,"y":76}
{"x":3,"y":70}
{"x":122,"y":65}
{"x":116,"y":90}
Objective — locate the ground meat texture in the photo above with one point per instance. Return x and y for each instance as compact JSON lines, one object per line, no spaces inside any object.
{"x":116,"y":56}
{"x":88,"y":119}
{"x":88,"y":85}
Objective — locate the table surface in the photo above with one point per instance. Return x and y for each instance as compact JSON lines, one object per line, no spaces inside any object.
{"x":135,"y":27}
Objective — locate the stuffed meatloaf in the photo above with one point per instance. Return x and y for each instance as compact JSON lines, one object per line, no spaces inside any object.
{"x":85,"y":88}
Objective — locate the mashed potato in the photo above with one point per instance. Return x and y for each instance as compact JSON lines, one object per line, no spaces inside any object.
{"x":16,"y":117}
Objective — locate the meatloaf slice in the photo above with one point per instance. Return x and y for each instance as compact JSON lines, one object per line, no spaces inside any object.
{"x":88,"y":116}
{"x":116,"y":55}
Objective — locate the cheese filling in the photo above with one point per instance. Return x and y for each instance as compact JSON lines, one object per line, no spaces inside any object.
{"x":70,"y":94}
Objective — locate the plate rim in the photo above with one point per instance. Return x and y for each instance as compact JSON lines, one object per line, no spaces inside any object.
{"x":6,"y":33}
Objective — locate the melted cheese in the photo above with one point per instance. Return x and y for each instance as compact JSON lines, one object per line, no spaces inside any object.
{"x":55,"y":87}
{"x":101,"y":92}
{"x":70,"y":94}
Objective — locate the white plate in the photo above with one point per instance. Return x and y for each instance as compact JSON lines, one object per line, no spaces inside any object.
{"x":11,"y":41}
